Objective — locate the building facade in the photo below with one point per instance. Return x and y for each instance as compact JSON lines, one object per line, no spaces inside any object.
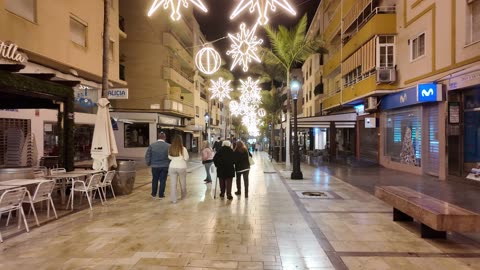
{"x":67,"y":49}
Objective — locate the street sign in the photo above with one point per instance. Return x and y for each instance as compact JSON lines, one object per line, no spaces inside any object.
{"x":118,"y":93}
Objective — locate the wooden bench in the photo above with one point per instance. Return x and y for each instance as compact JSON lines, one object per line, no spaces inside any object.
{"x":436,"y":216}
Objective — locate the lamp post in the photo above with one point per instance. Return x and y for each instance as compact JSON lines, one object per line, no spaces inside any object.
{"x":207,"y":132}
{"x":294,"y":89}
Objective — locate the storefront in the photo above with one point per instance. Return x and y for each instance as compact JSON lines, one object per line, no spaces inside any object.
{"x":412,"y":130}
{"x":367,"y":139}
{"x":463,"y":122}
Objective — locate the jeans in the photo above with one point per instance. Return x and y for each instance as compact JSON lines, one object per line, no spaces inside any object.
{"x":181,"y":174}
{"x":207,"y":169}
{"x":159,"y":174}
{"x":245,"y":181}
{"x":226,"y":186}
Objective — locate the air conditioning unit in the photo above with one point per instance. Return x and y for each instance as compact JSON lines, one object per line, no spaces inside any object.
{"x":371,"y":104}
{"x":386,"y":75}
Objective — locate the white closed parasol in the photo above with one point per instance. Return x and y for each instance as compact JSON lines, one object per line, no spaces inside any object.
{"x":104,"y":146}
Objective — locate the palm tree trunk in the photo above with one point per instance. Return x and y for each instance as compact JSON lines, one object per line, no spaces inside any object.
{"x":272,"y":136}
{"x":106,"y":51}
{"x":287,"y":128}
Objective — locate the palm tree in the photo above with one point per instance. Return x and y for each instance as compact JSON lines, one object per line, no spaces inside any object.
{"x":106,"y":44}
{"x":290,"y":47}
{"x":272,"y":102}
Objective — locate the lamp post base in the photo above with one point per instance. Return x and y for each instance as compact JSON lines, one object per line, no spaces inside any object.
{"x":296,"y":175}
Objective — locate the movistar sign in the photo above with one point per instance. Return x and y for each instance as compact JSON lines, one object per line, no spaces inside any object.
{"x":429,"y":92}
{"x":118,"y":93}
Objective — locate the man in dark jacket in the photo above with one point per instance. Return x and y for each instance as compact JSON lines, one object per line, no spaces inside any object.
{"x":157,"y":157}
{"x":223,"y":160}
{"x":217,"y":145}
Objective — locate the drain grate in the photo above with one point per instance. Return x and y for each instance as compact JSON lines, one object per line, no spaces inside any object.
{"x":315,"y":194}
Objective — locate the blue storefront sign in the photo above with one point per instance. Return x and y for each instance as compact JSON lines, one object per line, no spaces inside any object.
{"x":415,"y":95}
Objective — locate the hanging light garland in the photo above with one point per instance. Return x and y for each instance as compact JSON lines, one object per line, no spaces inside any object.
{"x":208,"y":60}
{"x":175,"y":6}
{"x":262,"y":7}
{"x":244,"y":47}
{"x":220,"y":89}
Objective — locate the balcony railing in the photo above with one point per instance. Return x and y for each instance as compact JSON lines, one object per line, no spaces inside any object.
{"x":171,"y":63}
{"x":174,"y":105}
{"x":361,"y":18}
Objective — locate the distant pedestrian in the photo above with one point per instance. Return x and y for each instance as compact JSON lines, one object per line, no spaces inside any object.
{"x":207,"y":160}
{"x":178,"y":155}
{"x":223,"y":160}
{"x":217,"y":145}
{"x":157,"y":157}
{"x":242,"y":166}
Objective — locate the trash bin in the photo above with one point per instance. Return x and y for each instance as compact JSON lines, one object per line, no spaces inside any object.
{"x":124,"y":177}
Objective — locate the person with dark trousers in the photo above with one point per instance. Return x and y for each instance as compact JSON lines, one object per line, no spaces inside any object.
{"x":217,"y":145}
{"x":242,"y":166}
{"x":157,"y":157}
{"x":223,"y":160}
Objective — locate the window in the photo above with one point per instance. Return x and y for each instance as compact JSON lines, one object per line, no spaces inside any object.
{"x":386,"y":52}
{"x":473,"y":21}
{"x":136,"y":135}
{"x":78,"y":32}
{"x":418,"y":46}
{"x":197,"y":111}
{"x":26,"y":9}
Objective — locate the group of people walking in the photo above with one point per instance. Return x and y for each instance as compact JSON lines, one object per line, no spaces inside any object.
{"x":165,"y":159}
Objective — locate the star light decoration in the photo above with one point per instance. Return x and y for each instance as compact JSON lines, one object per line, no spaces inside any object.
{"x":175,"y":6}
{"x":220,"y":89}
{"x":250,"y":91}
{"x":244,"y":47}
{"x":262,"y":7}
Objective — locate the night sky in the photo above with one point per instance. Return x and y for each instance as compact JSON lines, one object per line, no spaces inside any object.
{"x":216,"y":23}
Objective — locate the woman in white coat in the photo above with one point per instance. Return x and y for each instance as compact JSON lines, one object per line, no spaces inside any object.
{"x":178,"y":155}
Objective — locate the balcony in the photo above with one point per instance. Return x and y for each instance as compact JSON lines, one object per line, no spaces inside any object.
{"x":332,"y":63}
{"x":203,"y":95}
{"x":363,"y":88}
{"x":318,"y":89}
{"x":380,"y":24}
{"x":332,"y":101}
{"x":121,"y":26}
{"x":333,"y":25}
{"x":174,"y":73}
{"x":172,"y":105}
{"x":172,"y":42}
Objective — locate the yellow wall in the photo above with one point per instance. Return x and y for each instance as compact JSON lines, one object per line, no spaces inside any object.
{"x":363,"y":88}
{"x":48,"y":39}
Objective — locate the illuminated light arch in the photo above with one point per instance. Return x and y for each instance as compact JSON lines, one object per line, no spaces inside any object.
{"x":262,"y":7}
{"x":175,"y":6}
{"x":244,"y":47}
{"x":208,"y":60}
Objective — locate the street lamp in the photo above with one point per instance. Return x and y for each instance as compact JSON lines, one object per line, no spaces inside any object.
{"x":294,"y":89}
{"x":207,"y":133}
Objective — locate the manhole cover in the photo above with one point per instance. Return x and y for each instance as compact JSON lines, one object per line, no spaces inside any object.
{"x":314,"y":194}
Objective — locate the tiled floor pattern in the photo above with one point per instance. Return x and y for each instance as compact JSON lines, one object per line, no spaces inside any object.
{"x":272,"y":229}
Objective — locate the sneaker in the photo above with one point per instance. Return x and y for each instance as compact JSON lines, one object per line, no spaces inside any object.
{"x":230,"y":198}
{"x":153,"y":197}
{"x":160,"y":198}
{"x":238,"y":193}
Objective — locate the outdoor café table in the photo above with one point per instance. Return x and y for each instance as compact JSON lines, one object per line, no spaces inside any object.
{"x":89,"y":171}
{"x":23,"y":183}
{"x":64,"y":177}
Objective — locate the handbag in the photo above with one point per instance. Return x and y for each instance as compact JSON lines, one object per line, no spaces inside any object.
{"x":250,"y":160}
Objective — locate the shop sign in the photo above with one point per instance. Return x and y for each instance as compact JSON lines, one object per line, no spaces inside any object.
{"x":466,"y":80}
{"x":429,"y":92}
{"x":9,"y":51}
{"x":118,"y":93}
{"x":404,"y":98}
{"x":86,"y":96}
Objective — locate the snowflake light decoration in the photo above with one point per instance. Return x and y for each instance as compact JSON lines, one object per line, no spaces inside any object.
{"x":220,"y":89}
{"x":262,"y":7}
{"x":235,"y":108}
{"x":175,"y":6}
{"x":250,"y":91}
{"x":244,"y":47}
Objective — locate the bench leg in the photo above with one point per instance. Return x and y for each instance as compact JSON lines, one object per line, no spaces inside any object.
{"x":428,"y":232}
{"x":400,"y":216}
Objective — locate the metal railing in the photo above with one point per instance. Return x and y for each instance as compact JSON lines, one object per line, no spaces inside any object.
{"x":171,"y":63}
{"x":361,"y":19}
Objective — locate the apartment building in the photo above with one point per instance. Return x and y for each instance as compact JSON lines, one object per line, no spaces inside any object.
{"x":404,"y":67}
{"x":158,"y":58}
{"x":60,"y":41}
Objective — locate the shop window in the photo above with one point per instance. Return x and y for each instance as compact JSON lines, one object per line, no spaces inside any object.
{"x":473,"y":21}
{"x":26,"y":9}
{"x":83,"y":135}
{"x":50,"y":139}
{"x":398,"y":124}
{"x":78,"y":32}
{"x":472,"y":126}
{"x":417,"y":46}
{"x":16,"y":143}
{"x":136,"y":135}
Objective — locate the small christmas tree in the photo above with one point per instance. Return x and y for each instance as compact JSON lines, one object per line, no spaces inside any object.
{"x":407,"y":156}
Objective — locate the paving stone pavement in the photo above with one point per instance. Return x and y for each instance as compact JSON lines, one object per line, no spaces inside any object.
{"x":275,"y":228}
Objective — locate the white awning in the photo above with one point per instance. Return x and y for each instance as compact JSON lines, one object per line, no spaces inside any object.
{"x":345,"y":120}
